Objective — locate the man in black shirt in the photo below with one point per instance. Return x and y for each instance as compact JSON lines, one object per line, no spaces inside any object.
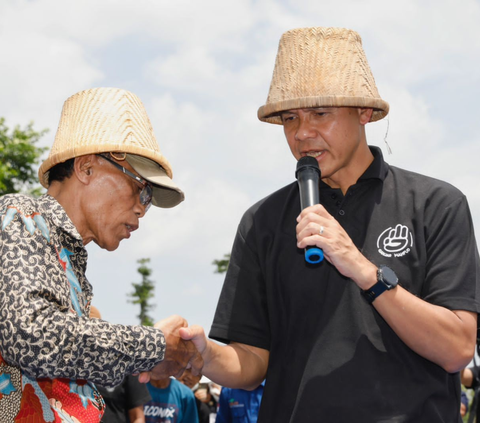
{"x":378,"y":331}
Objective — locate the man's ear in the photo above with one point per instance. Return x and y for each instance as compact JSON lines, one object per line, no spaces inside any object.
{"x":83,"y":168}
{"x":365,"y":115}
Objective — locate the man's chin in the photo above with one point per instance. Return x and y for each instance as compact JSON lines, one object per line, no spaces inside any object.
{"x":108,"y":246}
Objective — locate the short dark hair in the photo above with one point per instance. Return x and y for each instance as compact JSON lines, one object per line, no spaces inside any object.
{"x":61,"y":171}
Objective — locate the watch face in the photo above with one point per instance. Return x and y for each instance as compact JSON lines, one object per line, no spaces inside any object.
{"x":388,"y":276}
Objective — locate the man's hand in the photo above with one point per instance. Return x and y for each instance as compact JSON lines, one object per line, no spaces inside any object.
{"x":196,"y":334}
{"x":179,"y":355}
{"x":317,"y":227}
{"x":234,"y":365}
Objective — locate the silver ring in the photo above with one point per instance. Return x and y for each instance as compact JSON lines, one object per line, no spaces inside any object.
{"x":321,"y":230}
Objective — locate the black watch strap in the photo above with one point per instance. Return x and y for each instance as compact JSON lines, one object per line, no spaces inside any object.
{"x":376,"y":290}
{"x":386,"y":280}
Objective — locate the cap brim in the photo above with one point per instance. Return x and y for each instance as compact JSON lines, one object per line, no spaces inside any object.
{"x":165,"y":193}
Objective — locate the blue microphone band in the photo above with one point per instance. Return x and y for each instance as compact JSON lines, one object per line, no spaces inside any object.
{"x":313,"y":255}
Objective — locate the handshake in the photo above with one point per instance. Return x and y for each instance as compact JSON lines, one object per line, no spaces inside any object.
{"x":184,"y":346}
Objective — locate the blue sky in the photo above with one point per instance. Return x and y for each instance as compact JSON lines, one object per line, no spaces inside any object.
{"x":202,"y":69}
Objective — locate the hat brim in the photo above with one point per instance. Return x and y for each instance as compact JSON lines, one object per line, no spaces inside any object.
{"x":271,"y":112}
{"x":166,"y":194}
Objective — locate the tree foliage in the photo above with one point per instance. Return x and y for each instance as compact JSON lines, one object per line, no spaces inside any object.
{"x":19,"y":157}
{"x":143,"y":292}
{"x":222,"y":265}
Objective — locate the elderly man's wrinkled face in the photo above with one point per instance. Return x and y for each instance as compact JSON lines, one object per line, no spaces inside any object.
{"x":146,"y":191}
{"x":115,"y":207}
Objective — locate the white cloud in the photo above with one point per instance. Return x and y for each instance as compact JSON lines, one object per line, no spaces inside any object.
{"x":413,"y":133}
{"x":39,"y":68}
{"x":188,"y":69}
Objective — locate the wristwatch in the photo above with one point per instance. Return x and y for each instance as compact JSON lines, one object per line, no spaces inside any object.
{"x":386,"y":280}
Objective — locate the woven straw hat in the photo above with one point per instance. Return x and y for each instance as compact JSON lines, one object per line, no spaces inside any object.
{"x":103,"y":120}
{"x":321,"y":67}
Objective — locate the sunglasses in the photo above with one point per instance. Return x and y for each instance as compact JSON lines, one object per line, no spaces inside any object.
{"x":146,"y":193}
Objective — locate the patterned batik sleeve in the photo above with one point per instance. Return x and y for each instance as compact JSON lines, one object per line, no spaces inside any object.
{"x":41,"y":332}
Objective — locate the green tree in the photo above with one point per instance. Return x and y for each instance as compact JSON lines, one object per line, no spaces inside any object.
{"x":143,"y":292}
{"x":222,"y":265}
{"x":19,"y":157}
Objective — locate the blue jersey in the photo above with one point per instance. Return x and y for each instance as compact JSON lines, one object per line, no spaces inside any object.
{"x":239,"y":406}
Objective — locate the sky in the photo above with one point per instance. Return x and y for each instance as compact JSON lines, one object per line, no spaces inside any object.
{"x":202,"y":69}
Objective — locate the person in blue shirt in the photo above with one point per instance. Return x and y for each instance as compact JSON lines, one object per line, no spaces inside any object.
{"x":239,"y":405}
{"x":172,"y":402}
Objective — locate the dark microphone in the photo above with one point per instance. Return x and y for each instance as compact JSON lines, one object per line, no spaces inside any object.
{"x":308,"y":175}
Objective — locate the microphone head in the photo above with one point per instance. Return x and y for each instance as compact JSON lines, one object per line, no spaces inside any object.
{"x":306,"y":162}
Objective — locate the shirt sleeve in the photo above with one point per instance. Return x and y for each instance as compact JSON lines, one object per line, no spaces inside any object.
{"x":452,"y":277}
{"x":40,"y":332}
{"x":242,"y":309}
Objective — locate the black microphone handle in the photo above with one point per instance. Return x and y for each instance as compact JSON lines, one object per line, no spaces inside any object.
{"x":308,"y":180}
{"x":308,"y":175}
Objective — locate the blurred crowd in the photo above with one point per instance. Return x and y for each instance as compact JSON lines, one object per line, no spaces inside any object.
{"x":470,"y":377}
{"x":188,"y":399}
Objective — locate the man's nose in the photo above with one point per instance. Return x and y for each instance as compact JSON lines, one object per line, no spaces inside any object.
{"x":139,"y":209}
{"x":305,"y":129}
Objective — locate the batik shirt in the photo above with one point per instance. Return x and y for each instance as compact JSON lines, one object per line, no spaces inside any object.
{"x":51,"y":352}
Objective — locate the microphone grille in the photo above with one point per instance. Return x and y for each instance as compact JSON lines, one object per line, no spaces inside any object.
{"x":305,"y":162}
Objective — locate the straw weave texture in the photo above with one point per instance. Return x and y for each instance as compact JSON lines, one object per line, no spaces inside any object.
{"x":103,"y":120}
{"x":321,"y":67}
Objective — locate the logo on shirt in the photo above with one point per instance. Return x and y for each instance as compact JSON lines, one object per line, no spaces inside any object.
{"x":156,"y":411}
{"x":395,"y":241}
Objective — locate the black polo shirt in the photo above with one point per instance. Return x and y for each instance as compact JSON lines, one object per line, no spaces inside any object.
{"x":332,"y":356}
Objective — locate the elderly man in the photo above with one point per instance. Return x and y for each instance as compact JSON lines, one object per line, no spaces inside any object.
{"x":378,"y":330}
{"x":104,"y":171}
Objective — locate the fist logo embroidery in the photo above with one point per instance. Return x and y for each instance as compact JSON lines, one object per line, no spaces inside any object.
{"x":395,"y":242}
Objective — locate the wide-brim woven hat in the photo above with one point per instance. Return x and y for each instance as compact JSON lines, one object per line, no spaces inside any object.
{"x":321,"y":67}
{"x":101,"y":120}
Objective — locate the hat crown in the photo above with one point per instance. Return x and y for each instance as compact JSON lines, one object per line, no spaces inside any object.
{"x":102,"y":120}
{"x":321,"y":67}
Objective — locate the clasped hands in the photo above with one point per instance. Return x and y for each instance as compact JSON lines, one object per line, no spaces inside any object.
{"x":180,"y":354}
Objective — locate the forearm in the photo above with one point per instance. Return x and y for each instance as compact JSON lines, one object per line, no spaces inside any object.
{"x":77,"y":347}
{"x":436,"y":333}
{"x":235,"y":365}
{"x":442,"y":336}
{"x":43,"y":335}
